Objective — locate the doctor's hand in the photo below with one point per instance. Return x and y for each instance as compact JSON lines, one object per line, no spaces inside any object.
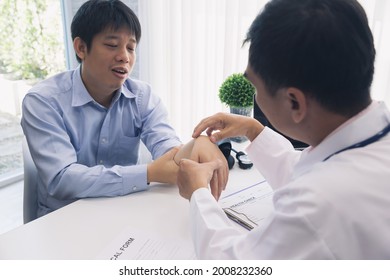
{"x":204,"y":151}
{"x":223,"y":125}
{"x":193,"y":175}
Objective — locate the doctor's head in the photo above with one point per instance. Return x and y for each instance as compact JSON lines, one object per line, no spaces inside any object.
{"x":322,"y":49}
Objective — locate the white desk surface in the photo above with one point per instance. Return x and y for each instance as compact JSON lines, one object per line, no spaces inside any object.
{"x":82,"y":229}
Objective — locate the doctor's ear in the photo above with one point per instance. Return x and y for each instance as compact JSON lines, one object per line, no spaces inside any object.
{"x":298,"y":104}
{"x":294,"y":102}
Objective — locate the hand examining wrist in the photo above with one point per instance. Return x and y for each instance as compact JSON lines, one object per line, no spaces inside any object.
{"x":200,"y":150}
{"x":223,"y":125}
{"x":205,"y":151}
{"x":193,"y":176}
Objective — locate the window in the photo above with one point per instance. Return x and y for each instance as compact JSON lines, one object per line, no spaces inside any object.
{"x":32,"y":49}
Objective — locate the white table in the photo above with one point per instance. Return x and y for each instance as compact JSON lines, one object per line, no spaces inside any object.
{"x":82,"y":229}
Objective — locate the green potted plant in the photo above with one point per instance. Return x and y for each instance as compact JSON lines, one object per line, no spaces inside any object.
{"x":237,"y":93}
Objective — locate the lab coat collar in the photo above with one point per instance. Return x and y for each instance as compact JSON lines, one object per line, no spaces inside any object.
{"x":360,"y":127}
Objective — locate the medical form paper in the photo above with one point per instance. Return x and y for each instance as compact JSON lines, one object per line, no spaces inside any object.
{"x":139,"y":245}
{"x":249,"y":205}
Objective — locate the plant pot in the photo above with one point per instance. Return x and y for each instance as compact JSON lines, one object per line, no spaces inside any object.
{"x":243,"y":111}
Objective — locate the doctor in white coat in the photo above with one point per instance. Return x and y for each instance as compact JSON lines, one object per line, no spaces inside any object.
{"x":312,"y":63}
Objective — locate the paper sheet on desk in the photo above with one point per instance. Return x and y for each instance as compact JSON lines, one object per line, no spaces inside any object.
{"x":249,"y":205}
{"x":138,"y":245}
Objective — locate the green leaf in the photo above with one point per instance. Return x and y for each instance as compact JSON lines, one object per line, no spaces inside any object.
{"x":236,"y":91}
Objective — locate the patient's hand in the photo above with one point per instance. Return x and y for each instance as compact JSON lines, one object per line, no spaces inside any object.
{"x":164,"y":169}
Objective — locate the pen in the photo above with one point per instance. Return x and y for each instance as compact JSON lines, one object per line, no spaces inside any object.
{"x":238,"y":221}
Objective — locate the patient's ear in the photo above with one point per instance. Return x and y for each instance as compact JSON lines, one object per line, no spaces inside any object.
{"x":80,"y":47}
{"x":298,"y":104}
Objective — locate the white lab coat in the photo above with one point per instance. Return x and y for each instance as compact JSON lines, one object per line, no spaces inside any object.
{"x":333,"y":209}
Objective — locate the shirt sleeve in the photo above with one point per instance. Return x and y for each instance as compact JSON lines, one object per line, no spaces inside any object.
{"x":62,"y":175}
{"x":157,"y":133}
{"x":274,"y":156}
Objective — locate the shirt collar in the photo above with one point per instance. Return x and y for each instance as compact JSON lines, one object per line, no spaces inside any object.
{"x":80,"y":95}
{"x":128,"y":89}
{"x":360,"y":127}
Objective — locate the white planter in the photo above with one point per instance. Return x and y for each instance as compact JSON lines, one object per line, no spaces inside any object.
{"x":244,"y":111}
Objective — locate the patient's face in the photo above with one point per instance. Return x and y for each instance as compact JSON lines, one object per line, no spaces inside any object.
{"x":109,"y":61}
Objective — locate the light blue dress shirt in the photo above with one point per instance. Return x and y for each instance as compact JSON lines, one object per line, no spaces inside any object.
{"x":82,"y":149}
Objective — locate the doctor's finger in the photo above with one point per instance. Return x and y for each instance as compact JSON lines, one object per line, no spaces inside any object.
{"x":214,"y":186}
{"x":214,"y":122}
{"x":224,"y":177}
{"x":219,"y":183}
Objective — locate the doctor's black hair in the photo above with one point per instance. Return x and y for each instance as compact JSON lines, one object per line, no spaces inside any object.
{"x":323,"y":47}
{"x":95,"y":16}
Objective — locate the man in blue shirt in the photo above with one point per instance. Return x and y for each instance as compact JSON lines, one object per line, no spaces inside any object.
{"x":84,"y":126}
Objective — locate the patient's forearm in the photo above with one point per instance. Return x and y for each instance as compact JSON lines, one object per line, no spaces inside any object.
{"x":194,"y":148}
{"x":185,"y":151}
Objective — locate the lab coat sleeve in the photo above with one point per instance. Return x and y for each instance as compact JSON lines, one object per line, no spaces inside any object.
{"x":212,"y":231}
{"x":285,"y":234}
{"x":274,"y":156}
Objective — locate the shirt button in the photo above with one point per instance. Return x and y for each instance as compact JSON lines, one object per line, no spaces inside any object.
{"x":104,"y":140}
{"x":134,"y":188}
{"x":101,"y":161}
